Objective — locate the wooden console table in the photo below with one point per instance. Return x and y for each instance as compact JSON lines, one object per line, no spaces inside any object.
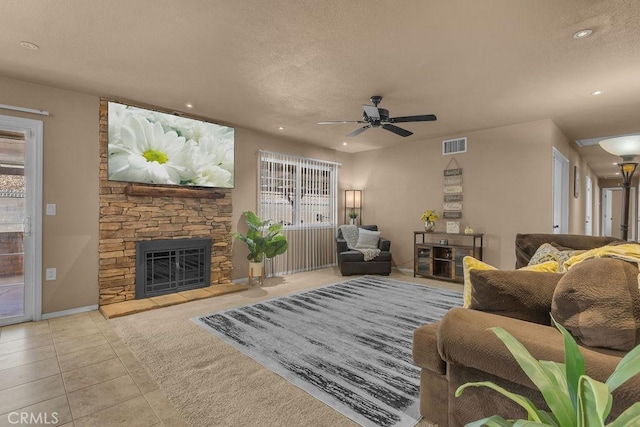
{"x":439,"y":255}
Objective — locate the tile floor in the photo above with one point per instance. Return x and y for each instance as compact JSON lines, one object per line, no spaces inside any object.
{"x":75,"y":371}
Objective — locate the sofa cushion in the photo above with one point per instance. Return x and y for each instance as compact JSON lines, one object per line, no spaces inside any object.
{"x":520,"y":294}
{"x":470,"y":263}
{"x":598,"y":301}
{"x":367,"y":239}
{"x":425,"y":349}
{"x":356,"y":256}
{"x":553,"y":252}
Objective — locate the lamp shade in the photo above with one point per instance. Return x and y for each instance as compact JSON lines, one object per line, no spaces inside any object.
{"x":627,"y":147}
{"x":353,"y":199}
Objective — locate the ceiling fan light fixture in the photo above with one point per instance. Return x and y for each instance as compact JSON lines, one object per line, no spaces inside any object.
{"x":582,"y":33}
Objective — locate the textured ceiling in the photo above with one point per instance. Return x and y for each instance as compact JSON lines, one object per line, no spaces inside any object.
{"x":265,"y":64}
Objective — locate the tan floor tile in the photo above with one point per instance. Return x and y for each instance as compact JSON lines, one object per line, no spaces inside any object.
{"x":163,"y":408}
{"x":27,"y":373}
{"x":30,"y":393}
{"x":52,"y":412}
{"x":25,"y":357}
{"x":25,"y":343}
{"x":100,"y":396}
{"x":68,"y":425}
{"x":110,"y":335}
{"x":89,"y":356}
{"x":73,"y":319}
{"x":77,"y":344}
{"x":72,"y":332}
{"x":195,"y":294}
{"x":120,"y":347}
{"x":167,"y":300}
{"x":217,"y":290}
{"x":93,"y":374}
{"x":144,"y":381}
{"x":127,"y":307}
{"x":132,"y":413}
{"x":24,"y":330}
{"x":130,"y":362}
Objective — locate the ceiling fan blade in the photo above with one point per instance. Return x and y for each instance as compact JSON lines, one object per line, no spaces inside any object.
{"x":422,"y":118}
{"x":341,"y":122}
{"x":397,"y":130}
{"x":371,"y":112}
{"x":359,"y":131}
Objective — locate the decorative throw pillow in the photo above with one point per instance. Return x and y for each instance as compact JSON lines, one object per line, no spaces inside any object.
{"x":553,"y":252}
{"x":470,"y":263}
{"x":367,"y":239}
{"x":598,"y":301}
{"x":519,"y":294}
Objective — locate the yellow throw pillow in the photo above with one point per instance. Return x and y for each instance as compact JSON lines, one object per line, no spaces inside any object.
{"x":470,"y":263}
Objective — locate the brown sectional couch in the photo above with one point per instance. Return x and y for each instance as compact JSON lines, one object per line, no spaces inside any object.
{"x":461,"y":349}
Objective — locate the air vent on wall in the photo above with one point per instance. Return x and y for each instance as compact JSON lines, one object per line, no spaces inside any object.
{"x":454,"y":146}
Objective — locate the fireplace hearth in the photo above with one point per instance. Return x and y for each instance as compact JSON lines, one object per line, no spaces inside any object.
{"x":169,"y":266}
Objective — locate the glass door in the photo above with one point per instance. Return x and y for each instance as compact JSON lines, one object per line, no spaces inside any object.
{"x":20,"y":219}
{"x":12,"y":225}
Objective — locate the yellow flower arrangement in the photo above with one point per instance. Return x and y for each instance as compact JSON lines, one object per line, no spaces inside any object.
{"x":430,"y":215}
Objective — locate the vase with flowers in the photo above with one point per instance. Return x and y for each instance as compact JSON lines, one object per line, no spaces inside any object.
{"x":429,"y":217}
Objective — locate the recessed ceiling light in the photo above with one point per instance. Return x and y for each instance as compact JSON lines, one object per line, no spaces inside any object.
{"x":582,"y":34}
{"x":188,"y":105}
{"x":617,"y":173}
{"x":29,"y":45}
{"x":596,"y":92}
{"x":280,"y":127}
{"x":344,"y":143}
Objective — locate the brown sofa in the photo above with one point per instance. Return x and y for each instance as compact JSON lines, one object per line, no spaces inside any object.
{"x":461,"y":349}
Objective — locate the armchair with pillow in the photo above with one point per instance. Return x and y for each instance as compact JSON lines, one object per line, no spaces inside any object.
{"x":596,"y":299}
{"x":363,"y":251}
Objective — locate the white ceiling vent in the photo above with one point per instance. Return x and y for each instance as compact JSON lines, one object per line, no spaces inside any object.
{"x":454,"y":146}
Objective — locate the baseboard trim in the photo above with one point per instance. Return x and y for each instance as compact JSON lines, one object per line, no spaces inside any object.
{"x":46,"y":316}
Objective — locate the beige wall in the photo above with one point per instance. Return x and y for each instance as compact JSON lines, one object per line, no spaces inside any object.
{"x":507,"y":182}
{"x":507,"y":175}
{"x":70,"y":180}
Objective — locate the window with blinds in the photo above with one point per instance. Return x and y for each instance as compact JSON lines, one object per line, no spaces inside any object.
{"x":300,"y":193}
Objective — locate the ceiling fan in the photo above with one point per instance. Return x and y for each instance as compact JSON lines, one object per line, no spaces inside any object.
{"x":375,"y":117}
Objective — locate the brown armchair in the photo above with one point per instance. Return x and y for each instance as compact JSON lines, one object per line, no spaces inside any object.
{"x":352,"y":262}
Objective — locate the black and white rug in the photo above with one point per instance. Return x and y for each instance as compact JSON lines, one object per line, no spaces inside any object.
{"x":347,"y":344}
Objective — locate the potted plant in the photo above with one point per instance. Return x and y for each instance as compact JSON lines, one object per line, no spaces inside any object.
{"x":264,"y":238}
{"x":353,"y":215}
{"x":574,"y":398}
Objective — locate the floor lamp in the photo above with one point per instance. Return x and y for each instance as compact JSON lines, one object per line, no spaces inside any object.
{"x":627,"y":147}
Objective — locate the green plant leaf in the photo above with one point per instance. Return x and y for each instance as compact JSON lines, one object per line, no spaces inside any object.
{"x":628,"y":367}
{"x":630,"y":417}
{"x":573,"y":360}
{"x":525,"y":423}
{"x":594,"y":402}
{"x":532,"y":411}
{"x":493,"y":421}
{"x":556,"y":398}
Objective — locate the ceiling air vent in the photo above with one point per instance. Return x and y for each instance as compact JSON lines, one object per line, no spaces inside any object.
{"x":454,"y":146}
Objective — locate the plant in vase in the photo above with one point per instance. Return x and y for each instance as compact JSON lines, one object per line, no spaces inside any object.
{"x":429,"y":217}
{"x":264,"y":238}
{"x":353,"y":215}
{"x":574,"y":399}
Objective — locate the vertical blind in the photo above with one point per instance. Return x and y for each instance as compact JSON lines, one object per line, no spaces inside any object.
{"x":301,"y":194}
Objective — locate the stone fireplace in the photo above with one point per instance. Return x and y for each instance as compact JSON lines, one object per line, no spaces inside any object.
{"x":130,"y":214}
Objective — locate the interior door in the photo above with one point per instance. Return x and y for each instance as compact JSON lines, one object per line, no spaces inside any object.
{"x":560,"y":193}
{"x":588,"y":211}
{"x":20,"y":219}
{"x":607,"y":205}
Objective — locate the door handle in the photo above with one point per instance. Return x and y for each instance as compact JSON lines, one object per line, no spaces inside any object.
{"x":26,"y":226}
{"x":556,"y":226}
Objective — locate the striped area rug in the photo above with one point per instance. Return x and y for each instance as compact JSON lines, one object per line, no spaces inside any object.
{"x":347,"y":344}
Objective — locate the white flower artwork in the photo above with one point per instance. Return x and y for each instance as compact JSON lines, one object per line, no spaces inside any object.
{"x":157,"y":148}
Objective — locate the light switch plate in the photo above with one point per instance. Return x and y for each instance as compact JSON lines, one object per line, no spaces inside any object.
{"x":50,"y":274}
{"x":51,"y":208}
